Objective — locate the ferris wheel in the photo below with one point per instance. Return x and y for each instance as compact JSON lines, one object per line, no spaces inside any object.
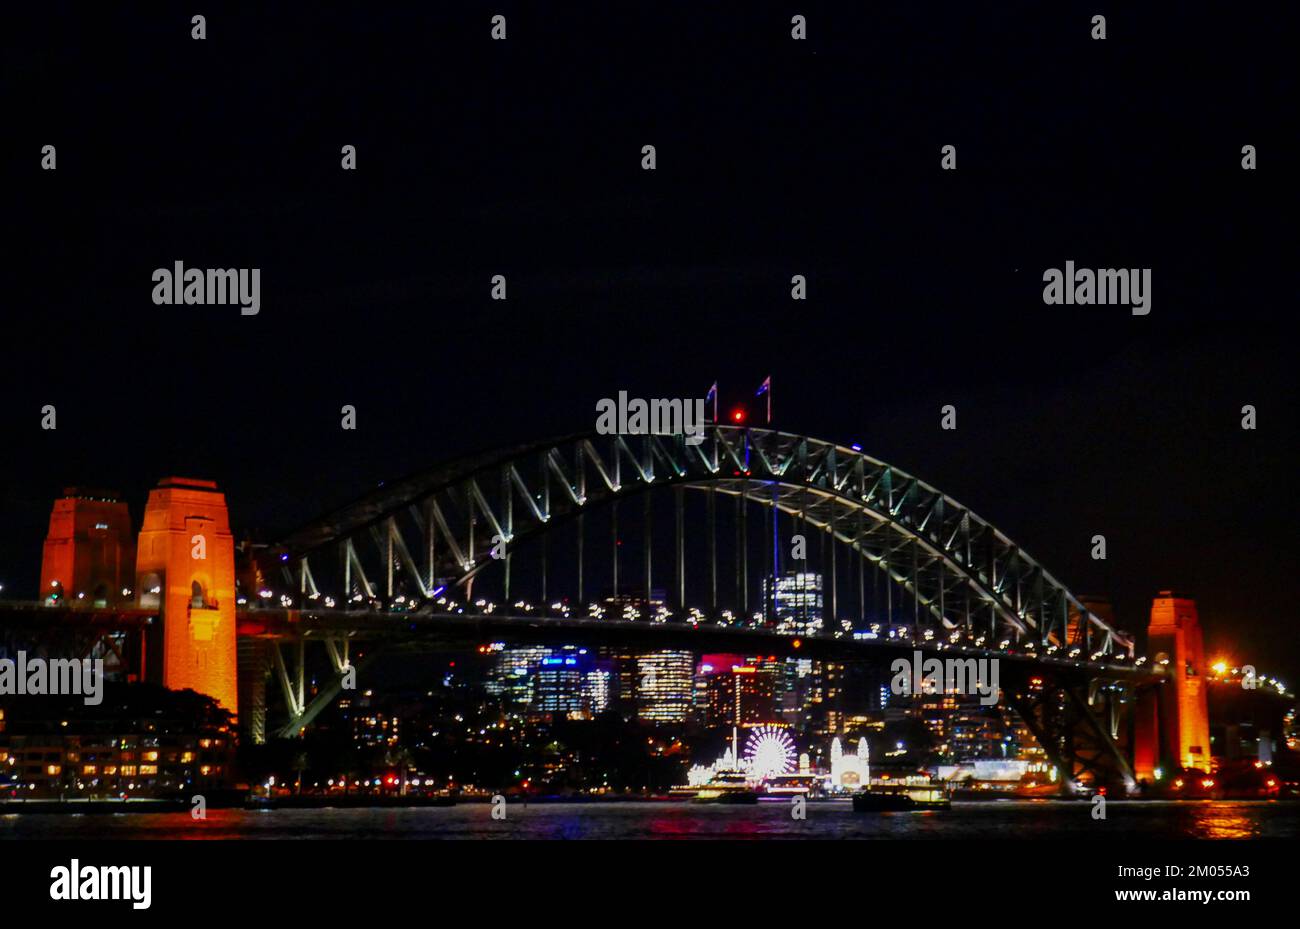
{"x":769,"y":751}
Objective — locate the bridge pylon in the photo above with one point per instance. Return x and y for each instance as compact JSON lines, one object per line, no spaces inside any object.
{"x":1173,"y":722}
{"x":89,"y":552}
{"x":185,"y":567}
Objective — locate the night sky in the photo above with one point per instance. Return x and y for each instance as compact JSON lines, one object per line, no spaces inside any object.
{"x":775,"y":158}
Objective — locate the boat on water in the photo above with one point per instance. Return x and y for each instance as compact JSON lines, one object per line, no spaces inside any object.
{"x":889,"y":798}
{"x":727,"y":787}
{"x":729,"y":783}
{"x":785,"y":786}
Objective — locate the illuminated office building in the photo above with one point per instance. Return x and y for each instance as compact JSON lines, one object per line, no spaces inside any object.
{"x":796,"y":601}
{"x":740,"y":692}
{"x":665,"y":685}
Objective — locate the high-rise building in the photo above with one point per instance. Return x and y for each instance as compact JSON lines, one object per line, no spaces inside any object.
{"x":512,"y":678}
{"x":558,"y":686}
{"x":565,"y":681}
{"x":740,"y":691}
{"x":597,"y":687}
{"x":665,"y":686}
{"x":796,"y":599}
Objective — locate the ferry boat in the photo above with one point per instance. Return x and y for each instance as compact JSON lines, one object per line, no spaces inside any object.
{"x":728,"y":784}
{"x":785,"y":786}
{"x":887,"y":798}
{"x":727,"y":787}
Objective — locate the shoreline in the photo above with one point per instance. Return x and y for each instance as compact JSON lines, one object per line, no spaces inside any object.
{"x":162,"y":805}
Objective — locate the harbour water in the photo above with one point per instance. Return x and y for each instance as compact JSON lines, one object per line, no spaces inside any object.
{"x":827,"y":819}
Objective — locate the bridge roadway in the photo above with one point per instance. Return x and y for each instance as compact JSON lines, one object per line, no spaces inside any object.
{"x":424,"y":630}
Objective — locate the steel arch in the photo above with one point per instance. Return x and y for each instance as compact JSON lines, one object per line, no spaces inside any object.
{"x":443,"y":517}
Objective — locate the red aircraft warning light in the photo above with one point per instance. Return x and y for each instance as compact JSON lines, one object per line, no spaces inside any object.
{"x":738,"y":415}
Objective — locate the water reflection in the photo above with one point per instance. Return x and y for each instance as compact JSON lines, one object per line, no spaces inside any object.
{"x":683,"y":820}
{"x":1224,"y":821}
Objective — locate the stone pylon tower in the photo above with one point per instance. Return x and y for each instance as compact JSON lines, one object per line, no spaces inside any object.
{"x":89,"y":554}
{"x":1184,"y":719}
{"x":185,"y":567}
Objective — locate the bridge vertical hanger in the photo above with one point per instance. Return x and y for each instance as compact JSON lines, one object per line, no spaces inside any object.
{"x":742,"y":553}
{"x":613,"y":540}
{"x":680,"y":532}
{"x":835,"y":590}
{"x":508,"y":501}
{"x":803,"y":530}
{"x":430,"y":541}
{"x":862,"y":577}
{"x":889,"y":588}
{"x":388,"y":560}
{"x":821,"y":567}
{"x":943,"y":586}
{"x":916,"y":596}
{"x":581,"y":535}
{"x":648,"y":545}
{"x":711,"y":518}
{"x":769,"y":558}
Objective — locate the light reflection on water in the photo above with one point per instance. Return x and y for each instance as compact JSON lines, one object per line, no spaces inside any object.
{"x":683,"y":820}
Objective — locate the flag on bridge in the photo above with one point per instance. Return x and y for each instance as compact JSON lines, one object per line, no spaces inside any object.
{"x":766,"y":388}
{"x":713,"y":395}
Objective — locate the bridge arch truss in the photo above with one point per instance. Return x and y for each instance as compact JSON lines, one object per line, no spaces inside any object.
{"x":433,"y":534}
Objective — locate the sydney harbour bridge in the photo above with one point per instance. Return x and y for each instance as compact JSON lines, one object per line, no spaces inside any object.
{"x":645,"y":542}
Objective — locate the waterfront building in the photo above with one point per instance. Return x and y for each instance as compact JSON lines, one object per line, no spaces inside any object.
{"x":141,"y":740}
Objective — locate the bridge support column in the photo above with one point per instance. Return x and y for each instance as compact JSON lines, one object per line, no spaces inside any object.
{"x":1146,"y":734}
{"x":89,"y":549}
{"x":1174,"y":639}
{"x":185,"y":565}
{"x":254,"y":669}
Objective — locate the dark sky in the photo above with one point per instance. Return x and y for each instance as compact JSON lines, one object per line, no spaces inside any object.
{"x":775,"y":157}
